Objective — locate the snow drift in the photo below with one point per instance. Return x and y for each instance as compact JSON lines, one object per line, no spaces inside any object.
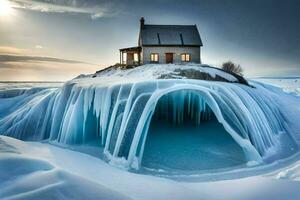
{"x":117,"y":107}
{"x":24,"y":176}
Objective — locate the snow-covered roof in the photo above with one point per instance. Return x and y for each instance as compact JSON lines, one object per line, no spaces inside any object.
{"x":176,"y":35}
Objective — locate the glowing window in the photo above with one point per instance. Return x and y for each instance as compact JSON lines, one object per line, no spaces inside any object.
{"x":135,"y":57}
{"x":154,"y":57}
{"x":185,"y":57}
{"x":124,"y":59}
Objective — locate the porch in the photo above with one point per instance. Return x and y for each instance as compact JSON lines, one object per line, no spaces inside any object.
{"x":130,"y":56}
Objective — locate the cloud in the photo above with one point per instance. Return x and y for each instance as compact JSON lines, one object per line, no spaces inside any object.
{"x":41,"y":68}
{"x":38,"y":46}
{"x":21,"y":58}
{"x":24,"y":65}
{"x":42,"y":71}
{"x":95,"y":10}
{"x":12,"y":50}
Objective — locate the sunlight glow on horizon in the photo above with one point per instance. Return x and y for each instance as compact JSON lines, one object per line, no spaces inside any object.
{"x":5,"y":8}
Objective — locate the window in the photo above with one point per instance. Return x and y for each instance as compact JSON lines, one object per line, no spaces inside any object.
{"x":124,"y":58}
{"x":185,"y":57}
{"x":135,"y":57}
{"x":154,"y":57}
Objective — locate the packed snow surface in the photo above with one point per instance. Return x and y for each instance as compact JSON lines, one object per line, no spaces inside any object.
{"x":34,"y":170}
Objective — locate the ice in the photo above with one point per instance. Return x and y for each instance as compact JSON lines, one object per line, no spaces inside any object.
{"x":187,"y":146}
{"x":116,"y":110}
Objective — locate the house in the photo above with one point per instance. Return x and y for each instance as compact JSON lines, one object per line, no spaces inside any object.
{"x":164,"y":44}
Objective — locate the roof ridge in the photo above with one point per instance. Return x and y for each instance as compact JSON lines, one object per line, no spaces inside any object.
{"x":170,"y":25}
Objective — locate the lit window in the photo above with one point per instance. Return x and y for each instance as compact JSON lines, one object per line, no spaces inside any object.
{"x":135,"y":57}
{"x":185,"y":57}
{"x":124,"y":59}
{"x":182,"y":57}
{"x":154,"y":57}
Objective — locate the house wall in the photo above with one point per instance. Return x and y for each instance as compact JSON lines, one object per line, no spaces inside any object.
{"x":177,"y":51}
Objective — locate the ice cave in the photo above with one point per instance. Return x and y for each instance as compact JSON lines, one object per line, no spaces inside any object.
{"x":186,"y":135}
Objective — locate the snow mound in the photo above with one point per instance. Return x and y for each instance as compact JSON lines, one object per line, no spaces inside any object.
{"x":116,"y":108}
{"x":24,"y":177}
{"x":163,"y":71}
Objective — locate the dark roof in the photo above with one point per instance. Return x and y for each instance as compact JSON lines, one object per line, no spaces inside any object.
{"x":138,"y":48}
{"x":169,"y":35}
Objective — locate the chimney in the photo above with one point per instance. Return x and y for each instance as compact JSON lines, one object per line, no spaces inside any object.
{"x":142,"y":22}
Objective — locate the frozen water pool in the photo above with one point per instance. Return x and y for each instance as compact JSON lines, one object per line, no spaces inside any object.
{"x":188,"y":137}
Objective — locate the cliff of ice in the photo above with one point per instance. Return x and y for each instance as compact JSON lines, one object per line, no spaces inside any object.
{"x":115,"y":107}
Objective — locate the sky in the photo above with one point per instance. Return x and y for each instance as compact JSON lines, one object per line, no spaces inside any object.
{"x":56,"y":40}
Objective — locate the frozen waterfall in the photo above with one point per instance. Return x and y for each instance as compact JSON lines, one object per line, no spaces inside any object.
{"x":119,"y":115}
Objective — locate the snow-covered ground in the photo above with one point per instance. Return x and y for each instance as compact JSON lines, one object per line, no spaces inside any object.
{"x":66,"y":160}
{"x":290,"y":85}
{"x":33,"y":170}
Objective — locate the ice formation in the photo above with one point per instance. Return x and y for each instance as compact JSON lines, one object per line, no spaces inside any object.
{"x":117,"y":107}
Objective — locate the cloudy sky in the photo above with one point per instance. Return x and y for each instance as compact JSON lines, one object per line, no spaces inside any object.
{"x":58,"y":39}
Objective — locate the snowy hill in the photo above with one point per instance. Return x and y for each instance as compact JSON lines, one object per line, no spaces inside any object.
{"x":166,"y":71}
{"x":156,"y":120}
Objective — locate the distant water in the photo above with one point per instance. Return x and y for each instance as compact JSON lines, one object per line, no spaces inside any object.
{"x":4,"y":85}
{"x":288,"y":84}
